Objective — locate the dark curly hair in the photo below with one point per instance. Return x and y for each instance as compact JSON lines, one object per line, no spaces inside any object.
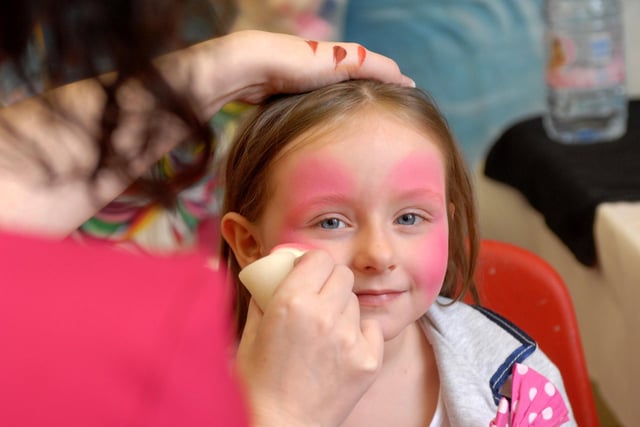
{"x":86,"y":38}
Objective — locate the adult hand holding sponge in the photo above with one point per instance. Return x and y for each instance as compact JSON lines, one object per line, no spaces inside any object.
{"x":262,"y":277}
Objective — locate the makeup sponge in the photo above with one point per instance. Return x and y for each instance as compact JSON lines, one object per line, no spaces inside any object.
{"x":262,"y":277}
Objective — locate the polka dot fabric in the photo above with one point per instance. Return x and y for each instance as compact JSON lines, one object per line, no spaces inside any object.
{"x":535,"y":402}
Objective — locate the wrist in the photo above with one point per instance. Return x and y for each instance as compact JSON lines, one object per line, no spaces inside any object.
{"x":203,"y":72}
{"x":273,"y":414}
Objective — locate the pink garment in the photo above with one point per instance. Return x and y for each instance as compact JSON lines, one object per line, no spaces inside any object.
{"x":534,"y":402}
{"x":91,"y":336}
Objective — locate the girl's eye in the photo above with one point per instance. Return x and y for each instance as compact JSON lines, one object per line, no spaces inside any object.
{"x":332,"y":223}
{"x":408,"y":219}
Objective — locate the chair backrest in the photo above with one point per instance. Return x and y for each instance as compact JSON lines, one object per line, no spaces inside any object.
{"x":524,"y":288}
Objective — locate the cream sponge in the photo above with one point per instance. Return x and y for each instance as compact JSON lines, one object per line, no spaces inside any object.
{"x":262,"y":277}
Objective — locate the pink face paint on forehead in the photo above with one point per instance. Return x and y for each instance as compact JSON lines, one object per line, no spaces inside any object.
{"x":422,"y":172}
{"x":316,"y":180}
{"x":312,"y":183}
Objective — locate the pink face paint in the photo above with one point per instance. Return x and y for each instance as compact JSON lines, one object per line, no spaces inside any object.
{"x":339,"y":53}
{"x":313,"y":45}
{"x":315,"y":182}
{"x":421,"y":178}
{"x":431,"y":266}
{"x":420,"y":172}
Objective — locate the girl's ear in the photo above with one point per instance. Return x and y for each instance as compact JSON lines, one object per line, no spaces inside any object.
{"x":238,"y":232}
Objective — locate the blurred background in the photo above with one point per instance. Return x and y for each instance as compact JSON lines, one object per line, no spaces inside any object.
{"x":480,"y":59}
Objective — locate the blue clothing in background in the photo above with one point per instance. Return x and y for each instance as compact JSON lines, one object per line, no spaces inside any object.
{"x":481,"y":60}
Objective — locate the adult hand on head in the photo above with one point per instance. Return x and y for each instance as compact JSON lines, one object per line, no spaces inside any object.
{"x":244,"y":66}
{"x":308,"y":359}
{"x":251,"y":65}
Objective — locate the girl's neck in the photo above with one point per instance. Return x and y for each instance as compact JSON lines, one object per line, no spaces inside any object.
{"x":406,"y":391}
{"x":403,"y":345}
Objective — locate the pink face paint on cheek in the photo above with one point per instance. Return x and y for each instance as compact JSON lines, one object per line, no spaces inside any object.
{"x":423,"y":173}
{"x":432,"y":264}
{"x":426,"y":265}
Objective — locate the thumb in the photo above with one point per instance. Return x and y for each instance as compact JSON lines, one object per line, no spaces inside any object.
{"x":372,"y":333}
{"x":254,"y":316}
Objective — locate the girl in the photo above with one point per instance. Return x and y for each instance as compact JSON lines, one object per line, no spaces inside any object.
{"x":368,"y":175}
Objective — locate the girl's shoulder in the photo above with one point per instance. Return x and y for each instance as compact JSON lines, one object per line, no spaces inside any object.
{"x":475,"y":351}
{"x":481,"y":336}
{"x":472,"y":323}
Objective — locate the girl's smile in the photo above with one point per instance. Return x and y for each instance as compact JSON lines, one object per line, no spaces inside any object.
{"x":373,"y":299}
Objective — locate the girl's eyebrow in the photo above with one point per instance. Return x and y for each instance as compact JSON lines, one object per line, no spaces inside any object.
{"x":320,"y":200}
{"x":421,"y":192}
{"x":307,"y":204}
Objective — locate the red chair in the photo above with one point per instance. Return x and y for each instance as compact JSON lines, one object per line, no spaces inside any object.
{"x":524,"y":288}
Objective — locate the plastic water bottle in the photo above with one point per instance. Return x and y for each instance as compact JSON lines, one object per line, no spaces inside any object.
{"x":585,"y":71}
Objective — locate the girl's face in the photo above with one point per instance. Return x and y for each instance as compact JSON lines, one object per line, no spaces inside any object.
{"x":372,"y":194}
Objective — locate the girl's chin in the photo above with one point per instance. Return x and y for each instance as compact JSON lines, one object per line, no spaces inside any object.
{"x":391,"y":325}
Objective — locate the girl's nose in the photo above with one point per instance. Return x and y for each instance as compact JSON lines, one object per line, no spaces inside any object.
{"x":374,"y":251}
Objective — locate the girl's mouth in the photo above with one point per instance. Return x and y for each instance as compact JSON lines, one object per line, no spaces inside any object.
{"x":377,"y":298}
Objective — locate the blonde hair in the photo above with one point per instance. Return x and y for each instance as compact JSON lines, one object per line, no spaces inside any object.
{"x":271,"y":127}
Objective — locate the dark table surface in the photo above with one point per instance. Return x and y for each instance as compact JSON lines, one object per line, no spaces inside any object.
{"x":566,"y":183}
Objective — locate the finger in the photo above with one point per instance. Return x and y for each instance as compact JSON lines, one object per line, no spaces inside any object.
{"x":354,"y":61}
{"x":361,"y":63}
{"x":254,"y":316}
{"x":369,"y":344}
{"x":312,"y":63}
{"x":374,"y":345}
{"x":337,"y":291}
{"x":309,"y":274}
{"x":351,"y":311}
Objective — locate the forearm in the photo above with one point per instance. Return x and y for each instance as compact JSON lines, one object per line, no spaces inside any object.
{"x":49,"y":150}
{"x":49,"y":154}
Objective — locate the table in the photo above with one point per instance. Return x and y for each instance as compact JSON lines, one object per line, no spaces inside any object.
{"x":606,"y":288}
